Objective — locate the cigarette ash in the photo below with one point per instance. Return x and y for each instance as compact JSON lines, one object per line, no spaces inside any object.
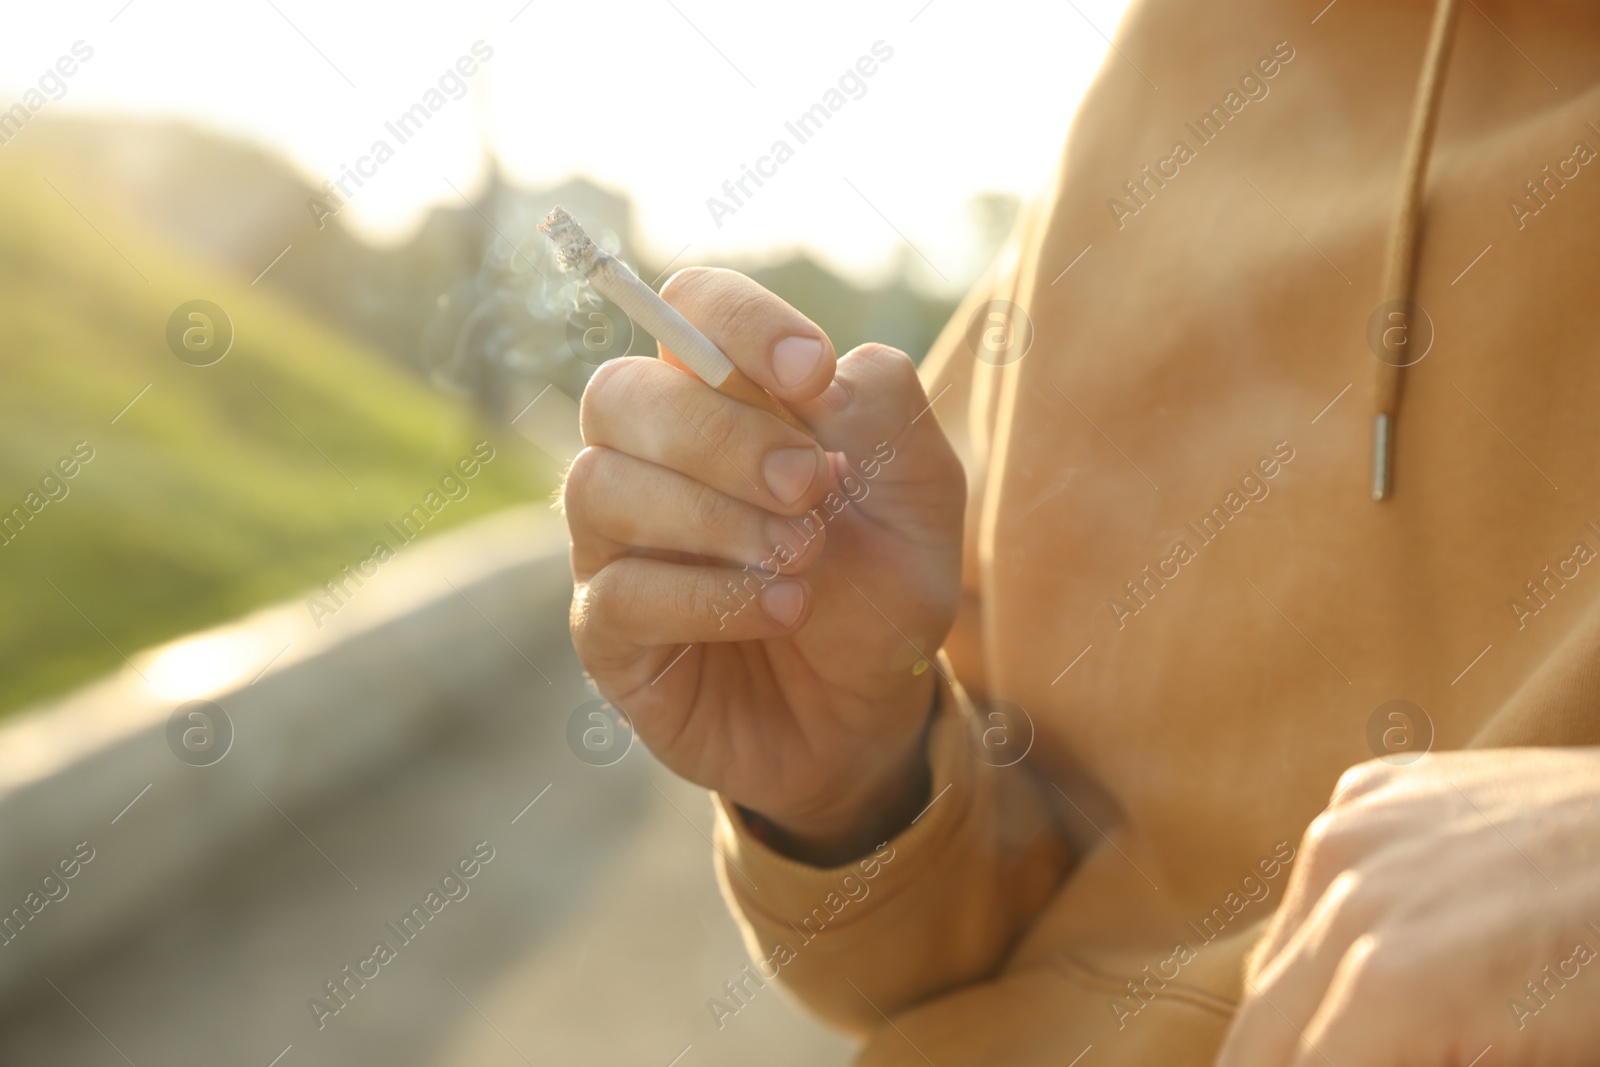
{"x":573,"y":247}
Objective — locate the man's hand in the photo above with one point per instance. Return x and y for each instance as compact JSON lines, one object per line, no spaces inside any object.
{"x":796,"y":687}
{"x":1439,"y":910}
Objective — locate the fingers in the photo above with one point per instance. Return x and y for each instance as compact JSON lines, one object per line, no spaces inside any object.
{"x":647,"y":409}
{"x":637,"y":602}
{"x":1365,"y":1016}
{"x":1353,"y":829}
{"x":780,"y":349}
{"x":887,"y":427}
{"x":1299,"y":896}
{"x":879,"y":398}
{"x":616,"y":503}
{"x":1282,"y":998}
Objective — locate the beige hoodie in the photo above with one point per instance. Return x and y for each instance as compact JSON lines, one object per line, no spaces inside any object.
{"x":1177,"y":577}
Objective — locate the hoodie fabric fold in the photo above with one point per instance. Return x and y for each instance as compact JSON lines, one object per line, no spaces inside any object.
{"x":1174,"y":568}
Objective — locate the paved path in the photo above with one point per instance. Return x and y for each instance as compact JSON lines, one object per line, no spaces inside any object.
{"x":594,"y":936}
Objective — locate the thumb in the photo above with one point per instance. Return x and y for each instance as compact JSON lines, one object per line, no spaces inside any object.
{"x":877,"y":413}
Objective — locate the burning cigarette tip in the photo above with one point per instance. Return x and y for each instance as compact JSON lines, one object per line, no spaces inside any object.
{"x":573,"y":247}
{"x":612,"y":279}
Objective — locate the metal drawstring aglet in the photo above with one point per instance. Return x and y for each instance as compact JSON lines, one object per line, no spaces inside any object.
{"x":1382,"y":455}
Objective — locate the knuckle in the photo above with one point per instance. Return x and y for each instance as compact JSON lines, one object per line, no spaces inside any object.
{"x":723,"y":424}
{"x":612,"y":597}
{"x":709,"y":510}
{"x":1347,"y":900}
{"x":594,"y":496}
{"x":1361,"y":779}
{"x":718,"y":300}
{"x":1380,"y":970}
{"x":1355,"y":850}
{"x":577,"y":624}
{"x":894,"y":367}
{"x":611,"y":389}
{"x":739,"y":308}
{"x":888,"y":372}
{"x":633,"y":599}
{"x":580,"y":477}
{"x":1325,"y":840}
{"x":887,"y":356}
{"x":683,"y":284}
{"x":690,"y":597}
{"x":591,"y":601}
{"x":581,"y":618}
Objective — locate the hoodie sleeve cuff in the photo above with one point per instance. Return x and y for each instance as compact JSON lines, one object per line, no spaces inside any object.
{"x":775,"y":891}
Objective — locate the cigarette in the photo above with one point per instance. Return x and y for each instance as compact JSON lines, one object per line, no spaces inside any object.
{"x":612,"y":278}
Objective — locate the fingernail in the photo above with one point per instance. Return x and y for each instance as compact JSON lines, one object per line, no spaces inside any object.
{"x":836,"y":396}
{"x":794,"y":358}
{"x":783,"y":602}
{"x":790,"y":472}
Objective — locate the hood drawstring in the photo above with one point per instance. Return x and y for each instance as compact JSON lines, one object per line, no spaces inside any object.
{"x":1400,"y":254}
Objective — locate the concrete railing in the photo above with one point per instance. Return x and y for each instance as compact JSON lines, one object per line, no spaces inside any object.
{"x":111,"y":804}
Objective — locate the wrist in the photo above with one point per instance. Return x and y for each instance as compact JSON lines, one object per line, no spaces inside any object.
{"x":856,"y":820}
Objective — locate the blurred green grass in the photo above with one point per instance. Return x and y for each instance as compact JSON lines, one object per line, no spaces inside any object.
{"x":203,"y":500}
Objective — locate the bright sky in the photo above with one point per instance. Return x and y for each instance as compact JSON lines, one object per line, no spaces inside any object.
{"x":665,"y":99}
